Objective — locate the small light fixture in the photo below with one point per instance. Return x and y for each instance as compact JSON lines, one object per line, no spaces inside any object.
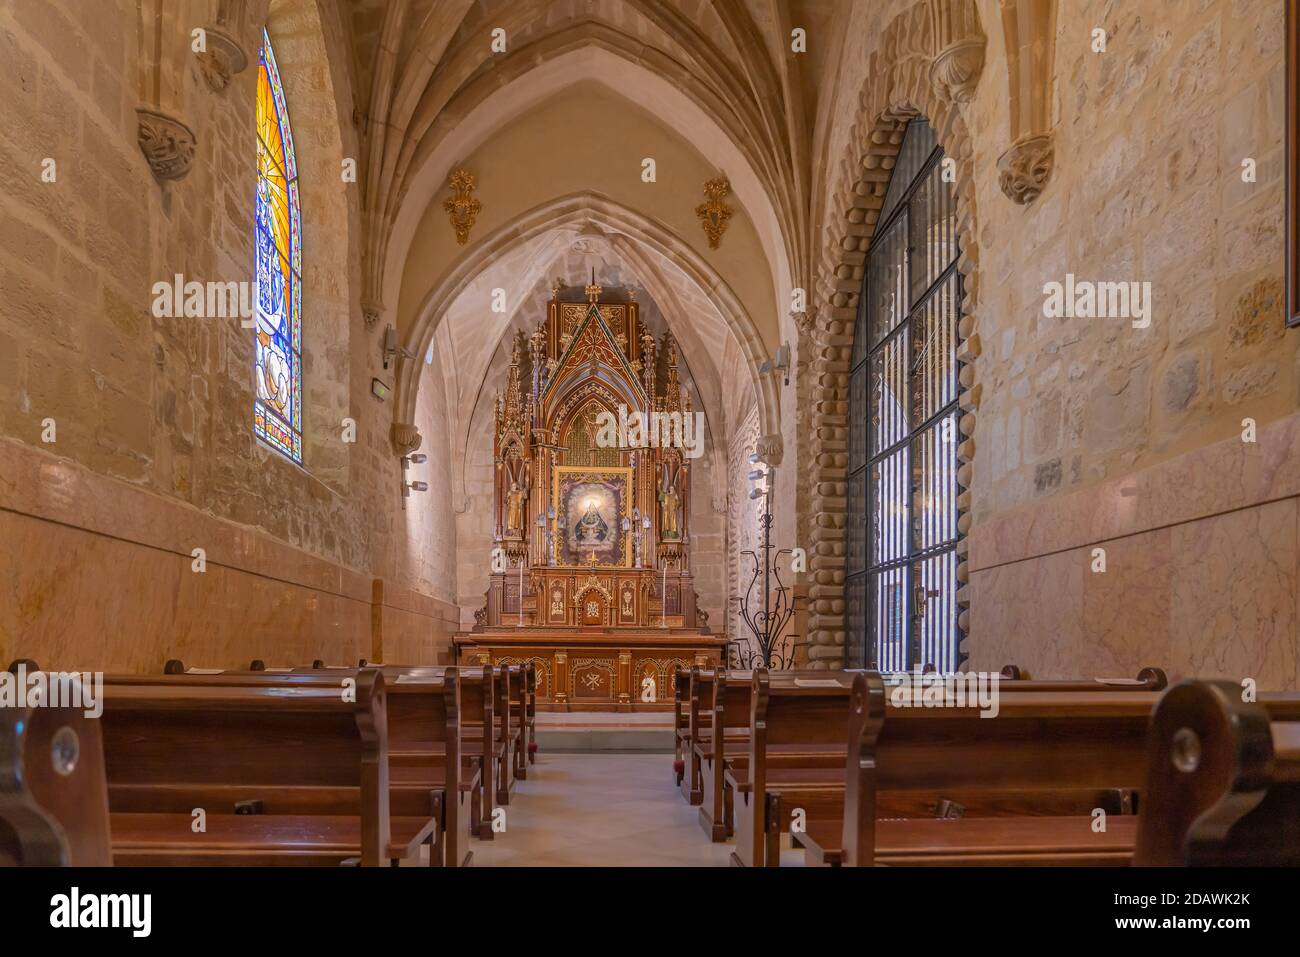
{"x":393,"y":348}
{"x":780,"y":361}
{"x":415,"y":458}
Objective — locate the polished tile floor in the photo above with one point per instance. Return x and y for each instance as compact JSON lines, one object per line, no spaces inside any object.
{"x":600,"y":810}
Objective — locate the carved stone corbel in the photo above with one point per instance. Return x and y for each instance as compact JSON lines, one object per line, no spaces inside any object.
{"x":1029,"y":27}
{"x":167,"y":143}
{"x":960,"y":42}
{"x":371,"y":311}
{"x":770,"y":448}
{"x":406,"y":438}
{"x":1024,"y":169}
{"x":221,"y":59}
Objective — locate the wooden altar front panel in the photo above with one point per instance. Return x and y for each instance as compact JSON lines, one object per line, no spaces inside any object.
{"x":602,"y":672}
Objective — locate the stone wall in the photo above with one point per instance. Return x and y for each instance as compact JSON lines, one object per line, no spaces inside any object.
{"x":158,"y":411}
{"x":1064,"y":416}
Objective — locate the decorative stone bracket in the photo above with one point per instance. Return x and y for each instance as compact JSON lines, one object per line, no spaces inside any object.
{"x":372,"y":312}
{"x":1023,"y":170}
{"x":167,"y":143}
{"x":959,"y":42}
{"x":406,"y":438}
{"x":222,"y":59}
{"x":770,"y":448}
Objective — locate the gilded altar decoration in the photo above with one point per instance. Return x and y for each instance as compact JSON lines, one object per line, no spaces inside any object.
{"x":515,"y":498}
{"x":668,"y":502}
{"x":462,"y":206}
{"x":595,"y":520}
{"x":714,"y":214}
{"x":592,"y":505}
{"x":649,"y":689}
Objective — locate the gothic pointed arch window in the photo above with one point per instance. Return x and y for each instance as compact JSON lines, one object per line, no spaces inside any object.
{"x":277,"y":408}
{"x":901,"y":574}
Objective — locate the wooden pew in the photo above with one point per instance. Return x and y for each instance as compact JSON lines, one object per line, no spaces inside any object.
{"x":53,"y":793}
{"x":418,"y":756}
{"x":681,"y":723}
{"x":698,"y":721}
{"x":530,"y":710}
{"x":522,"y":689}
{"x":715,"y":814}
{"x":505,"y":689}
{"x":808,"y":715}
{"x":284,"y":774}
{"x":727,"y":739}
{"x":1223,"y":779}
{"x":1148,"y":679}
{"x":1030,"y":774}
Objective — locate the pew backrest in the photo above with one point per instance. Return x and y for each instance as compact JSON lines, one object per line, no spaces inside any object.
{"x":179,"y":742}
{"x":53,"y":793}
{"x":1039,"y":741}
{"x":1223,"y":785}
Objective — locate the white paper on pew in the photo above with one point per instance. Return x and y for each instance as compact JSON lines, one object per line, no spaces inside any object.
{"x":279,"y":671}
{"x":1119,"y":681}
{"x":818,"y":683}
{"x":419,"y":676}
{"x":204,"y":671}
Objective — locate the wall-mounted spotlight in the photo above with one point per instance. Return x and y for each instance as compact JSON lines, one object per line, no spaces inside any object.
{"x":780,"y":361}
{"x":414,"y":458}
{"x":761,"y":474}
{"x":393,"y":348}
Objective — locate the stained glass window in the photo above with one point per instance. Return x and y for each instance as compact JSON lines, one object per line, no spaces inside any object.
{"x":901,"y":575}
{"x":277,"y":410}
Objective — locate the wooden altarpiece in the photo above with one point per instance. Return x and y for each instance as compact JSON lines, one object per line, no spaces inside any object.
{"x":591,"y":577}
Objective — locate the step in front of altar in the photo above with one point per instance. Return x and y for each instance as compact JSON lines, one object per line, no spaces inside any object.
{"x":609,"y":732}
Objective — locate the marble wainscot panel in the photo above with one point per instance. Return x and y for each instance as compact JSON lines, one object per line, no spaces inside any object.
{"x":1201,"y":571}
{"x":98,"y":574}
{"x":412,"y":628}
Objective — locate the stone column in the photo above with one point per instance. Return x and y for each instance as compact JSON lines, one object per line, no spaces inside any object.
{"x":1029,"y":27}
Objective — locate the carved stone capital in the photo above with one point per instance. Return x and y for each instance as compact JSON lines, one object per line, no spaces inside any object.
{"x":957,"y":68}
{"x":770,"y":448}
{"x":803,"y":322}
{"x":371,"y":311}
{"x":167,"y":143}
{"x":223,"y":59}
{"x":1025,"y":168}
{"x":406,"y":438}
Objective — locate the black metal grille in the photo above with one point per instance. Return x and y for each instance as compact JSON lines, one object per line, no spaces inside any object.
{"x":900,"y":581}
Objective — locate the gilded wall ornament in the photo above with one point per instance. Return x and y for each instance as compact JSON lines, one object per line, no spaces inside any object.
{"x":462,"y":207}
{"x":714,"y":214}
{"x":167,"y":144}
